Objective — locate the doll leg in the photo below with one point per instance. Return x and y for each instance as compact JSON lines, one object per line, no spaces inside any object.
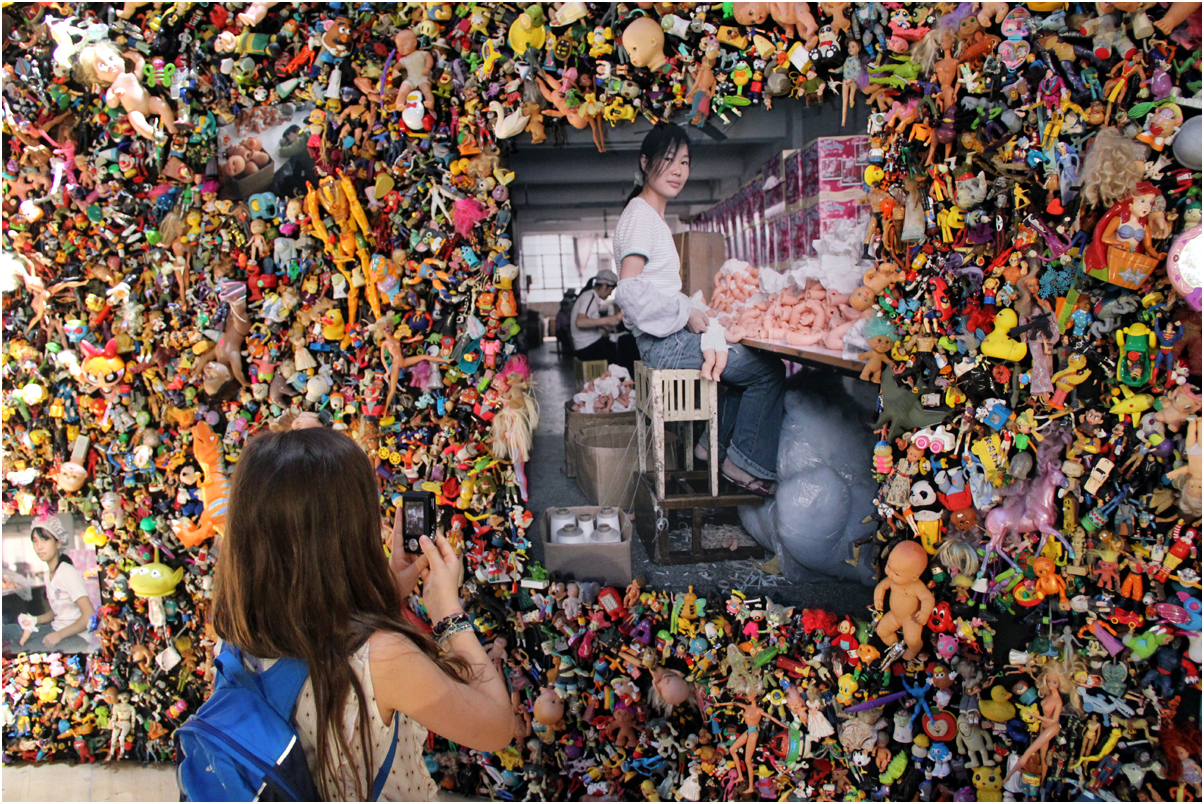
{"x":750,"y":749}
{"x":161,"y":108}
{"x":913,"y":635}
{"x":888,"y":628}
{"x":402,"y":93}
{"x":735,"y":754}
{"x":141,"y":125}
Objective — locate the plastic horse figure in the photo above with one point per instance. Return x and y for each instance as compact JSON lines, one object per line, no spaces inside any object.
{"x":215,"y":488}
{"x":1032,"y":506}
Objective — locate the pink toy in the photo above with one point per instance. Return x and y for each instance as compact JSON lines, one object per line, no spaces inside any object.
{"x":1031,"y":506}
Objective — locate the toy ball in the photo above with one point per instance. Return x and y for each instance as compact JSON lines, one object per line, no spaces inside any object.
{"x":1187,"y":144}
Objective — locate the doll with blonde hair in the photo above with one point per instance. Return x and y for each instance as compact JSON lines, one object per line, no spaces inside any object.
{"x":103,"y":65}
{"x":1053,"y":682}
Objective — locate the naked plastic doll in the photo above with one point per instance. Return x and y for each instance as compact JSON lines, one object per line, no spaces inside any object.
{"x":102,"y":64}
{"x":390,"y":354}
{"x":714,"y":344}
{"x":753,"y":714}
{"x":224,"y":361}
{"x":910,"y":600}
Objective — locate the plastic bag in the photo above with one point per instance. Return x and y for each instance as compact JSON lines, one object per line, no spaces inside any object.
{"x":837,"y":264}
{"x":825,"y":488}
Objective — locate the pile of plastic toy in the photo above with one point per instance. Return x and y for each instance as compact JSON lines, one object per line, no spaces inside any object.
{"x":219,"y":217}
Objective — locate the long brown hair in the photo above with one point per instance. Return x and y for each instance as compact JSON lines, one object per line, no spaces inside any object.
{"x":302,"y":574}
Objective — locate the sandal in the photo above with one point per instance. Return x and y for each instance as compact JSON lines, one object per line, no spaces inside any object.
{"x":762,"y":488}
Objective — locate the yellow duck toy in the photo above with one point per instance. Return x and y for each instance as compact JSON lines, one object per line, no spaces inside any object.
{"x":333,"y":328}
{"x":999,"y":709}
{"x":998,"y":345}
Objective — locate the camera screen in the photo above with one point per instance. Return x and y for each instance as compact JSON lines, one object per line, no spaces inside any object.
{"x":415,"y":519}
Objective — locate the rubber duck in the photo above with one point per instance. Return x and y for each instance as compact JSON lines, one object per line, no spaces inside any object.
{"x":998,"y":345}
{"x":998,"y":709}
{"x":333,"y":328}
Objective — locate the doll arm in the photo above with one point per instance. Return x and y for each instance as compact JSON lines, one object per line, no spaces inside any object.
{"x":880,"y":593}
{"x":927,"y":602}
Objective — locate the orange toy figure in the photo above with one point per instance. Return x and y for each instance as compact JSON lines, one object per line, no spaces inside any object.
{"x":910,"y":601}
{"x":214,"y":488}
{"x":1049,"y":583}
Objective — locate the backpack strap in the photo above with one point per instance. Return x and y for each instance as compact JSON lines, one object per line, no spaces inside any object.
{"x":382,"y":775}
{"x":279,"y":685}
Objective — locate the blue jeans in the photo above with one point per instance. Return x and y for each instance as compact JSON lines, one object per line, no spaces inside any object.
{"x":751,"y":399}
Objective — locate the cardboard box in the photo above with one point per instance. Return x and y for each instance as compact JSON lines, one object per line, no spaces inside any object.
{"x":607,"y":462}
{"x":575,"y":422}
{"x":702,"y":255}
{"x":608,"y":564}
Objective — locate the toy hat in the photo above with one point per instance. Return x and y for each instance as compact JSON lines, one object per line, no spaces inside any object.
{"x":53,"y":525}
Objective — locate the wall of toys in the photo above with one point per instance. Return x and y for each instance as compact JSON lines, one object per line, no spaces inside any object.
{"x":220,"y":217}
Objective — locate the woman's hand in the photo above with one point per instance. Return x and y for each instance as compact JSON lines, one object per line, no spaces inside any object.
{"x":406,"y":571}
{"x":441,"y":587}
{"x":698,"y":322}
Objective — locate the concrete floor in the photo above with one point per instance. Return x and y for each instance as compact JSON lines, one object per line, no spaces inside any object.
{"x":549,"y":487}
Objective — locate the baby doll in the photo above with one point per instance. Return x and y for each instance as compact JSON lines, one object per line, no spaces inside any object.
{"x":103,"y":64}
{"x":911,"y":602}
{"x":417,"y":66}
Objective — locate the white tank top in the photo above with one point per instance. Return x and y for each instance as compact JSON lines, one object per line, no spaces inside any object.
{"x":409,"y":780}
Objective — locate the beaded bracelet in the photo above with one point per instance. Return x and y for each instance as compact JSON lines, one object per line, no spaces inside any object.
{"x":451,"y":625}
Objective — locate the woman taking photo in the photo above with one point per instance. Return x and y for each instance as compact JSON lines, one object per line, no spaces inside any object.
{"x":673,"y":335}
{"x":70,"y":607}
{"x":302,"y":574}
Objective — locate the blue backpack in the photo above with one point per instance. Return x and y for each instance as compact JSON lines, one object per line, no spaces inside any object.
{"x":241,"y":744}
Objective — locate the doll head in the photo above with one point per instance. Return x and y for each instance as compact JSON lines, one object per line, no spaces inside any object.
{"x":906,"y":563}
{"x":100,"y":63}
{"x":644,"y":41}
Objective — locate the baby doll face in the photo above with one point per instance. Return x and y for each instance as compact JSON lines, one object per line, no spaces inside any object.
{"x":108,"y":64}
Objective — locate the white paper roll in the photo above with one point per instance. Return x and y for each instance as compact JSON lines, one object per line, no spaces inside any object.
{"x":609,"y":516}
{"x":561,"y":517}
{"x":586,"y":523}
{"x":605,"y":534}
{"x":571,"y":534}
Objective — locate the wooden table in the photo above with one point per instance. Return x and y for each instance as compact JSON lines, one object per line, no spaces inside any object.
{"x":815,"y":355}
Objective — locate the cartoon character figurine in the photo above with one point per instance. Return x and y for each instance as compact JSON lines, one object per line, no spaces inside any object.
{"x":1122,"y":251}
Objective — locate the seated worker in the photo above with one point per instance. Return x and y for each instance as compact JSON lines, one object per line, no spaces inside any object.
{"x":593,"y":332}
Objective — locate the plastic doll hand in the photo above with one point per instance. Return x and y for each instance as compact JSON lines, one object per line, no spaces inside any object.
{"x":918,"y":619}
{"x":406,"y":570}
